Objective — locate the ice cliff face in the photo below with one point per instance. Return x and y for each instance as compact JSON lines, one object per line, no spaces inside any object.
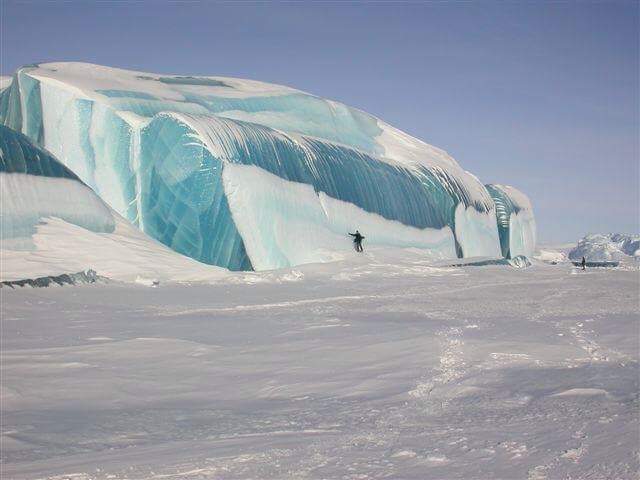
{"x":245,"y":174}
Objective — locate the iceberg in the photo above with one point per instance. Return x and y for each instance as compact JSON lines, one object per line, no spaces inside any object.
{"x":248,"y":175}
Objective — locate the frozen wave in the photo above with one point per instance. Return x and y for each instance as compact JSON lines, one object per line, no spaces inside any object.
{"x":52,"y":224}
{"x":155,"y":147}
{"x":516,"y":223}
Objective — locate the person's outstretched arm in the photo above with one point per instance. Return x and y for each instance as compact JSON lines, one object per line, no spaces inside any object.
{"x":352,"y":234}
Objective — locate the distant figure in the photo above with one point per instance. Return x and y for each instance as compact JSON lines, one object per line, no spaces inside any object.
{"x":357,"y":240}
{"x":583,"y":263}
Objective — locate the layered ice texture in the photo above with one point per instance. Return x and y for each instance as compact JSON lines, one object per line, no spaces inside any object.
{"x":52,"y":224}
{"x":249,"y":175}
{"x":516,"y":223}
{"x":34,"y":185}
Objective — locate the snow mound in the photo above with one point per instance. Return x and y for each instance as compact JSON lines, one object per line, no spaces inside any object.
{"x":552,"y":257}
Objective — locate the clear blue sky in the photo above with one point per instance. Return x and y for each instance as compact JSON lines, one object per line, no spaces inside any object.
{"x":542,"y":96}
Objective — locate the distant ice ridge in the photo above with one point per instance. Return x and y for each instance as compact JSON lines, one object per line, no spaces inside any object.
{"x":606,"y":247}
{"x":166,"y":153}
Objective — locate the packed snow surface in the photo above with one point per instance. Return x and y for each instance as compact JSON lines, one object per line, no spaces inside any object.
{"x":606,"y":247}
{"x":381,"y":365}
{"x":157,"y":149}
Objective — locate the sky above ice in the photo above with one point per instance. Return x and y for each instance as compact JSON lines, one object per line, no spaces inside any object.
{"x":542,"y":96}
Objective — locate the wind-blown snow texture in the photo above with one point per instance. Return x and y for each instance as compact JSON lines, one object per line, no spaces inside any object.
{"x":165,"y":152}
{"x":382,"y":366}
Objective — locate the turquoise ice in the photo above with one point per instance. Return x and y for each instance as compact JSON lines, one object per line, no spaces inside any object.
{"x":35,"y":186}
{"x":516,"y":224}
{"x":167,"y":153}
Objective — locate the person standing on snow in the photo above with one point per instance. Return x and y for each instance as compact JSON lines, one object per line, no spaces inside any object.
{"x":357,"y":240}
{"x":583,"y":263}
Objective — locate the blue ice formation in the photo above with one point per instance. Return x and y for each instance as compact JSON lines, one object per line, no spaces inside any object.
{"x":249,"y":175}
{"x":516,"y":224}
{"x":34,"y":186}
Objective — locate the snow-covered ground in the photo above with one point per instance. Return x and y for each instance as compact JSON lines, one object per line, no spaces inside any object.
{"x":380,"y":366}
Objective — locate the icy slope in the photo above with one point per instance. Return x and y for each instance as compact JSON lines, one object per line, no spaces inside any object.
{"x":51,"y":223}
{"x":156,"y":148}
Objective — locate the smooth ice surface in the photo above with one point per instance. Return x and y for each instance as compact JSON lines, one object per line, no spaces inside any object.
{"x":606,"y":247}
{"x":297,"y":225}
{"x":154,"y":148}
{"x":377,"y":366}
{"x":476,"y":232}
